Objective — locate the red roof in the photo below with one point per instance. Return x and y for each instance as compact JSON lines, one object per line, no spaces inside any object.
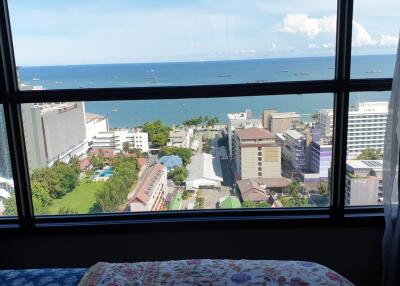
{"x":254,"y":133}
{"x":84,"y":164}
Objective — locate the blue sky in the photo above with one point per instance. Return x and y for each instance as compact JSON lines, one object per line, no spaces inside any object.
{"x":56,"y":32}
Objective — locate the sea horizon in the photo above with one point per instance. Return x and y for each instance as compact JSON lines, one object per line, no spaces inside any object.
{"x":173,"y":112}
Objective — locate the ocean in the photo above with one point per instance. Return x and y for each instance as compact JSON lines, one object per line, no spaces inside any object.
{"x":135,"y":113}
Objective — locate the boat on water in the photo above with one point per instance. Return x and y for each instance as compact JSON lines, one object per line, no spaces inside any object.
{"x":301,"y":73}
{"x":374,"y":71}
{"x":58,"y":82}
{"x":35,"y":79}
{"x":225,"y":75}
{"x":115,"y":110}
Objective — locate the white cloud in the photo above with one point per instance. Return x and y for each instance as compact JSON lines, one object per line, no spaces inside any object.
{"x":361,"y":37}
{"x":388,"y":40}
{"x":328,"y":45}
{"x":312,"y":27}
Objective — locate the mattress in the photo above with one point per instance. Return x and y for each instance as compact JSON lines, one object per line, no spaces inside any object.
{"x":213,"y":272}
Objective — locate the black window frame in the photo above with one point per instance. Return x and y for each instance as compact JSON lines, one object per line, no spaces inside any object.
{"x":341,"y":85}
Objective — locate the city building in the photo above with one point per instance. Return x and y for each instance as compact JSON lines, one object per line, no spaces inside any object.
{"x":321,"y":155}
{"x":5,"y":164}
{"x":6,"y":187}
{"x":294,"y":149}
{"x":53,"y":131}
{"x":151,"y":191}
{"x":257,"y":154}
{"x":363,"y":182}
{"x":278,"y":122}
{"x":259,"y":189}
{"x":95,"y":124}
{"x":241,"y":120}
{"x":180,"y":138}
{"x":171,"y":162}
{"x":115,"y":140}
{"x":266,"y":117}
{"x":204,"y":172}
{"x":366,"y":126}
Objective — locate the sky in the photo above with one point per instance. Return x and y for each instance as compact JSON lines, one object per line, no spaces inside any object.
{"x":64,"y":32}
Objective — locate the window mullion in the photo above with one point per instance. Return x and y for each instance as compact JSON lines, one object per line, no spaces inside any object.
{"x":341,"y":105}
{"x":13,"y":120}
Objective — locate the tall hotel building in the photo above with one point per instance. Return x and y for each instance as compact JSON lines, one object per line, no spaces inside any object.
{"x":53,"y":131}
{"x":5,"y":165}
{"x":366,"y":128}
{"x":257,"y":154}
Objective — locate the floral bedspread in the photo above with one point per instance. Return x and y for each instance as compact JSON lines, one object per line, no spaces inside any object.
{"x":213,"y":272}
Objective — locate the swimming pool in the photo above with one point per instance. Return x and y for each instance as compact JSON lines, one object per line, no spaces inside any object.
{"x":107,"y":173}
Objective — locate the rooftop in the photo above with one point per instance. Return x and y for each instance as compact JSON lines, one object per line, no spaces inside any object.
{"x":204,"y":166}
{"x":171,"y":161}
{"x":230,"y":202}
{"x":255,"y":189}
{"x":145,"y":188}
{"x":285,"y":115}
{"x":294,"y":134}
{"x":376,"y":165}
{"x":254,"y":133}
{"x":93,"y":117}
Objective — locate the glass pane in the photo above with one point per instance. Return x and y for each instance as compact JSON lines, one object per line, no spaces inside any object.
{"x":191,"y":154}
{"x":7,"y":196}
{"x":375,"y":38}
{"x":90,"y":44}
{"x":365,"y":143}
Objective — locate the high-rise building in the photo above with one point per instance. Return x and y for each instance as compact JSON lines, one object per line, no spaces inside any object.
{"x":366,"y":126}
{"x":266,"y":116}
{"x":294,"y":149}
{"x":363,"y":182}
{"x":257,"y":154}
{"x":241,"y":120}
{"x":151,"y":192}
{"x":321,"y":157}
{"x":115,"y":140}
{"x":5,"y":164}
{"x":53,"y":131}
{"x":279,"y":122}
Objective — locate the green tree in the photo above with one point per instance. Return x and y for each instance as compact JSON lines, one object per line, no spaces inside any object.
{"x":185,"y":195}
{"x":193,"y":122}
{"x":323,"y":189}
{"x":97,"y":161}
{"x":126,"y":147}
{"x":113,"y":194}
{"x":75,"y":164}
{"x":158,"y":133}
{"x":249,"y":204}
{"x":370,"y":154}
{"x":184,"y":153}
{"x":66,"y":211}
{"x":294,"y":189}
{"x":178,"y":175}
{"x":294,"y":202}
{"x":10,"y":205}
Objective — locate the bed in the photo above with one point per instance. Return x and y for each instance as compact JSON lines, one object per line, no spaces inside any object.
{"x":181,"y":272}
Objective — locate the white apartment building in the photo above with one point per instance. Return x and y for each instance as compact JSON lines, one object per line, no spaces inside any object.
{"x":180,"y":138}
{"x":240,"y":120}
{"x":363,"y":182}
{"x":366,"y":128}
{"x":115,"y":140}
{"x":95,"y":124}
{"x":151,"y":192}
{"x":294,"y":148}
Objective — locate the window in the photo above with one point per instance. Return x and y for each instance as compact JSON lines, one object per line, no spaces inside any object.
{"x":201,"y":84}
{"x":79,"y":164}
{"x":365,"y":154}
{"x":179,"y":43}
{"x":7,"y":195}
{"x":375,"y":38}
